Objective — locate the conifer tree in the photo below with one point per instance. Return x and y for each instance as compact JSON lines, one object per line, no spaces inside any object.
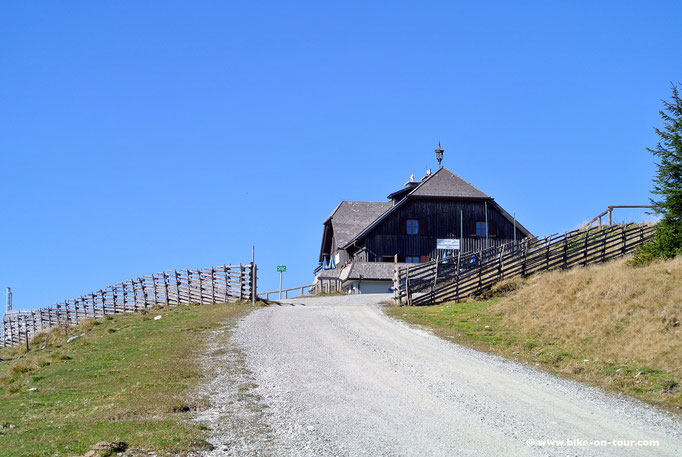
{"x":668,"y":182}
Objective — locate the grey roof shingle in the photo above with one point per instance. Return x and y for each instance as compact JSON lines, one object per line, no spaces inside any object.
{"x":350,"y":218}
{"x":334,"y":273}
{"x":373,"y":270}
{"x":444,"y":183}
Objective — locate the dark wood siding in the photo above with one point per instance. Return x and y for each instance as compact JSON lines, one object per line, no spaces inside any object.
{"x":437,"y":219}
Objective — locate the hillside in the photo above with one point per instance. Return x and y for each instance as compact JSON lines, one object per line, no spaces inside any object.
{"x":610,"y":325}
{"x":124,"y":379}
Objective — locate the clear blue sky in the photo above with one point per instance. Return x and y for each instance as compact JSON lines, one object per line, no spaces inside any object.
{"x":137,"y":136}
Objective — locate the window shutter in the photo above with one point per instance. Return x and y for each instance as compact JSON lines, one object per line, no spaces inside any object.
{"x":424,"y":258}
{"x":403,"y":226}
{"x":492,"y":226}
{"x":472,"y":228}
{"x":423,"y":227}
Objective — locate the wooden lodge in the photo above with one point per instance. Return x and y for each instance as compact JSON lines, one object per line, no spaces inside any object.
{"x":414,"y":225}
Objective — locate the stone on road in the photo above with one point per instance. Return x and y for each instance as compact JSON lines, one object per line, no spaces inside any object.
{"x":340,"y":378}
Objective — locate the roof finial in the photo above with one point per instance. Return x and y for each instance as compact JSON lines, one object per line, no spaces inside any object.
{"x":439,"y":155}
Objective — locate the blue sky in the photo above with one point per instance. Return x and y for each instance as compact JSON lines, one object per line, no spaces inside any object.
{"x":137,"y":137}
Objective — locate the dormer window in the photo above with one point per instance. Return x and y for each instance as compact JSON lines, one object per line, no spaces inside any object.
{"x":412,"y":227}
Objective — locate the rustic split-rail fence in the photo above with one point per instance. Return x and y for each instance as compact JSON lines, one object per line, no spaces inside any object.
{"x":227,"y":283}
{"x":456,"y":277}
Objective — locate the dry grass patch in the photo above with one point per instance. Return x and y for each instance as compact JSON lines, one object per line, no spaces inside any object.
{"x":626,"y":314}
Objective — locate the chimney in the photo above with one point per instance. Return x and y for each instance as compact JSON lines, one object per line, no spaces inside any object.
{"x":411,"y":183}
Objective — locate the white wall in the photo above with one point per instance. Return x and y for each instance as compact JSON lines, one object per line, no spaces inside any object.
{"x":371,"y":287}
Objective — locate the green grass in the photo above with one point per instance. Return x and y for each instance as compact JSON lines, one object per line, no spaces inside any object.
{"x":129,"y":378}
{"x":465,"y":323}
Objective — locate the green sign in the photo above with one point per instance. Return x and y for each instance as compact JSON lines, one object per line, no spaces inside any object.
{"x":281,"y":268}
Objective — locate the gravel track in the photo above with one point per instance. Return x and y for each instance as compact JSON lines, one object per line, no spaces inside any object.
{"x":337,"y":377}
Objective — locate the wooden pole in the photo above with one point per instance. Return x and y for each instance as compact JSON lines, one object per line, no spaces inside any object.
{"x":486,"y":224}
{"x":254,"y":282}
{"x":227,"y":284}
{"x":241,"y":281}
{"x":26,"y":334}
{"x":461,"y":230}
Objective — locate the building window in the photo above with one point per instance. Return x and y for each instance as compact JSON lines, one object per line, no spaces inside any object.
{"x":412,"y":259}
{"x":481,"y":229}
{"x":412,"y":227}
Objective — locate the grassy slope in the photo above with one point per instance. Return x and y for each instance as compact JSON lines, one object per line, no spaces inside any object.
{"x":609,"y":325}
{"x":128,"y":378}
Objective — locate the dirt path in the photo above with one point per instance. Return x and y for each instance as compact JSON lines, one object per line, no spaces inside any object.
{"x":337,"y":377}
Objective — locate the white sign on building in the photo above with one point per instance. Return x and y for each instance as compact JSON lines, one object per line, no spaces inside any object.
{"x":447,"y":243}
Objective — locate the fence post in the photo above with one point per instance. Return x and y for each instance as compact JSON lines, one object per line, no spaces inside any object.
{"x":587,"y":233}
{"x":26,"y":332}
{"x":480,"y":268}
{"x":212,"y":278}
{"x":155,"y":291}
{"x":241,"y":281}
{"x":396,"y":286}
{"x":201,"y":287}
{"x":177,"y":287}
{"x":254,"y":282}
{"x":165,"y":288}
{"x":625,"y":239}
{"x":435,"y":275}
{"x":225,"y":270}
{"x":104,"y":303}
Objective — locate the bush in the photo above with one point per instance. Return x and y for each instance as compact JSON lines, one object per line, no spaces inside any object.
{"x":666,"y":244}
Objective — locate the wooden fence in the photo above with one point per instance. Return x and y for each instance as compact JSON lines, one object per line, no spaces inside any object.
{"x":328,"y":285}
{"x":211,"y":285}
{"x":285,"y":292}
{"x":457,"y":277}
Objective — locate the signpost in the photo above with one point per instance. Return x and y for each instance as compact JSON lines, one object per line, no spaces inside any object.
{"x":281,"y":269}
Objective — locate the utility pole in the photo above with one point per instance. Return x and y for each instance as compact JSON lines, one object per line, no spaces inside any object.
{"x":486,"y":225}
{"x":514,"y":230}
{"x":461,"y":230}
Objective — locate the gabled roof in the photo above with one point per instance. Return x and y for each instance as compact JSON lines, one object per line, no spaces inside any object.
{"x":352,"y":221}
{"x":445,"y":184}
{"x":441,"y":184}
{"x":350,"y":218}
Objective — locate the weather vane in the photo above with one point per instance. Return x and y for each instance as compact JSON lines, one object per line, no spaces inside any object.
{"x":439,"y":155}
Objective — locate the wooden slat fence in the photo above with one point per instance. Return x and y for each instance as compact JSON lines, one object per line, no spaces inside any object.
{"x":221,"y":284}
{"x":302,"y":290}
{"x":454,"y":278}
{"x":328,"y":285}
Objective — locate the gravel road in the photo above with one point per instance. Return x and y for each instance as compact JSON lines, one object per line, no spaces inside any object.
{"x":335,"y":376}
